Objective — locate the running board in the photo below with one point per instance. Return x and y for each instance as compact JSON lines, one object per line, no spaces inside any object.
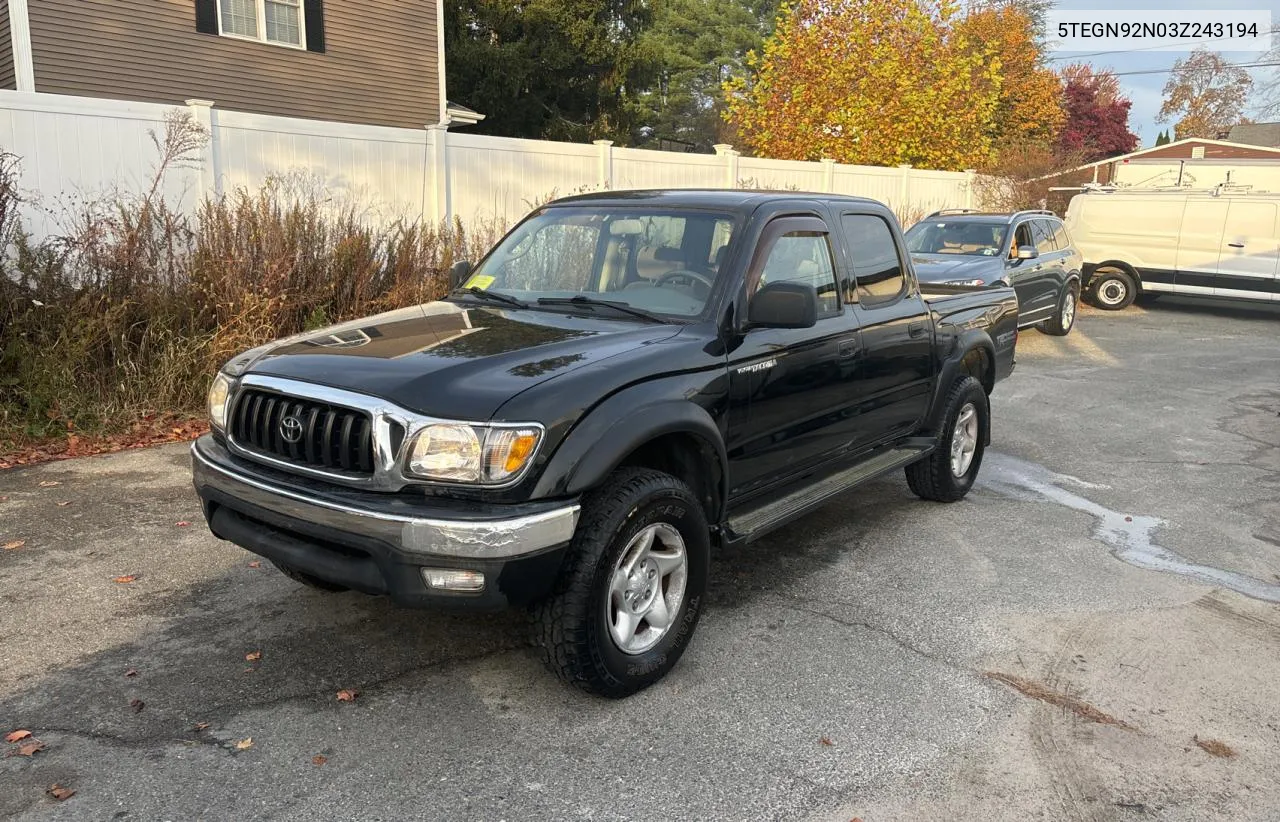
{"x":754,"y":524}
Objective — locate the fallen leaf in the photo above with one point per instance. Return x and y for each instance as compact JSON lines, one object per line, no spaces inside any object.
{"x":255,"y":564}
{"x":64,"y":503}
{"x":14,"y":544}
{"x":183,"y":523}
{"x":319,"y":759}
{"x":30,"y":747}
{"x":253,"y":656}
{"x":131,"y":672}
{"x":825,"y":741}
{"x":16,"y":736}
{"x":244,"y":744}
{"x":200,"y":726}
{"x":126,"y":579}
{"x":49,"y":484}
{"x":137,"y":705}
{"x":60,"y":793}
{"x":348,"y":695}
{"x":1215,"y":747}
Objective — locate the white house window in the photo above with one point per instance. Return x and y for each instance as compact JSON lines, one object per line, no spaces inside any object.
{"x":270,"y":21}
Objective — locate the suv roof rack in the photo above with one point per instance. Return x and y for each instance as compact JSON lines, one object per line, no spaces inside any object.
{"x":1042,"y":211}
{"x":946,"y":212}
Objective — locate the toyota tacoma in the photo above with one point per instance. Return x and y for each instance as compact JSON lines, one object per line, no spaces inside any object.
{"x":627,"y":381}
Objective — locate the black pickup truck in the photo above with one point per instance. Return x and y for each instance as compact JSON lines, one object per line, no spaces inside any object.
{"x":627,"y":380}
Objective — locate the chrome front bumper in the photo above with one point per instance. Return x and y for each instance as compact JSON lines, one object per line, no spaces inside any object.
{"x":421,"y":534}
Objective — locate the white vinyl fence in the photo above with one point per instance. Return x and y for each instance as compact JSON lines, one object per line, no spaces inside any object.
{"x":74,"y":147}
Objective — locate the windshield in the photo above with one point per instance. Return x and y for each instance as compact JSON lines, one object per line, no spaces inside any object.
{"x":960,"y":237}
{"x":662,"y":262}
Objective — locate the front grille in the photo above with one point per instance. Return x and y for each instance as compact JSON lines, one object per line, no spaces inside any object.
{"x":329,"y":437}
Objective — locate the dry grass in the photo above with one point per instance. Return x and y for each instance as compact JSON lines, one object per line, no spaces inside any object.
{"x":1042,"y":692}
{"x":131,"y":309}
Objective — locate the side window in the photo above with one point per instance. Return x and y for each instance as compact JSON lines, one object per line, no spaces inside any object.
{"x":1060,"y":238}
{"x":1021,"y":237}
{"x":803,"y":257}
{"x":1043,"y":232}
{"x":877,"y":268}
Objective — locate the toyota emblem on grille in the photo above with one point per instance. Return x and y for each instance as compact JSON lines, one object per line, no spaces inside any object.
{"x":291,"y":429}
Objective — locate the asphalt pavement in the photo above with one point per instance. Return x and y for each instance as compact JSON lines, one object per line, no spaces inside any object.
{"x":1092,"y":635}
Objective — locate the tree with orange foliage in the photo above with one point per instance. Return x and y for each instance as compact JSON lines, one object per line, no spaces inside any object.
{"x":879,"y":82}
{"x":1030,"y":102}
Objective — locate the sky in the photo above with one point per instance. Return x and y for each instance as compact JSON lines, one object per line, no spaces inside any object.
{"x":1146,"y":90}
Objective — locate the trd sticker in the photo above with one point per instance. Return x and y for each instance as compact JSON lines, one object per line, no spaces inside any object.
{"x":756,"y":367}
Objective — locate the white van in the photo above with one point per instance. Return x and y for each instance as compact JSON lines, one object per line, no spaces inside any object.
{"x":1216,"y":243}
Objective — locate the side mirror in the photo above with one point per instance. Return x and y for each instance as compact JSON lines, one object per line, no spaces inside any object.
{"x":1027,"y":252}
{"x":458,"y":272}
{"x":783,"y":305}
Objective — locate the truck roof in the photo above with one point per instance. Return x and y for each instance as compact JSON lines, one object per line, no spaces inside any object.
{"x":727,"y":199}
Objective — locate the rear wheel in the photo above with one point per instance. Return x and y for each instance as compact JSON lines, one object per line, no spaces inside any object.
{"x":947,"y":474}
{"x":631,"y":591}
{"x":1113,"y":289}
{"x":1061,"y":323}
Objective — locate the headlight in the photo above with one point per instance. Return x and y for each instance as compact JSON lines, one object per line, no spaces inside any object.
{"x":219,"y":393}
{"x":457,"y":452}
{"x":965,"y":282}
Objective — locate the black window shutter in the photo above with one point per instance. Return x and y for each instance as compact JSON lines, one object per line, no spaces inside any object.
{"x":313,"y":10}
{"x":207,"y":16}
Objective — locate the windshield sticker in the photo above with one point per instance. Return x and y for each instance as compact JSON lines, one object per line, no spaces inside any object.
{"x":479,"y":281}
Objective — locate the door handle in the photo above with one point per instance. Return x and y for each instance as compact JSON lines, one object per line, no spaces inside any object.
{"x":917,"y":329}
{"x":848,"y":348}
{"x":1236,"y":245}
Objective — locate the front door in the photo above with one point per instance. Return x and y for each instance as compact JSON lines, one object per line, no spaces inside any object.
{"x":1250,"y":255}
{"x":1032,"y":279}
{"x":790,"y":389}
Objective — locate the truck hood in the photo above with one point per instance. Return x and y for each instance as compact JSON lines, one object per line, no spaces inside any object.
{"x":448,"y":360}
{"x":937,"y":268}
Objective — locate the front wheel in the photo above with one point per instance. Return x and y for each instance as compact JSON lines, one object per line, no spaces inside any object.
{"x":632,"y":588}
{"x":1061,"y":323}
{"x":1113,"y":290}
{"x":947,"y":474}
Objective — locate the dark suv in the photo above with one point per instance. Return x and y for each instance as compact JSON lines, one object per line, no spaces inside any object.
{"x":1029,"y":250}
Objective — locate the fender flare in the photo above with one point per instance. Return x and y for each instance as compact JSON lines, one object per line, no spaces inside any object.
{"x":974,"y":339}
{"x":611,"y":431}
{"x":1127,"y":268}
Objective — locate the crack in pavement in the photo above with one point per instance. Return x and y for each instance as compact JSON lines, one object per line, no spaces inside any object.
{"x":876,"y":629}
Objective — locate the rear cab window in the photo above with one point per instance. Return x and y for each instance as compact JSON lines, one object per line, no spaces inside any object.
{"x":878,"y":274}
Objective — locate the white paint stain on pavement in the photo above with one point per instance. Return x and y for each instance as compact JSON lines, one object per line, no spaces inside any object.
{"x":1131,"y":538}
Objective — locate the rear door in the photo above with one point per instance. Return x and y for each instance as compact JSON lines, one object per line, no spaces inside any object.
{"x":790,"y":389}
{"x":894,"y":369}
{"x":1199,"y":246}
{"x":1250,"y":255}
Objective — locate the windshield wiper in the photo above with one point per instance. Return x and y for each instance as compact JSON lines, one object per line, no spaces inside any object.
{"x":496,"y":297}
{"x":582,"y":299}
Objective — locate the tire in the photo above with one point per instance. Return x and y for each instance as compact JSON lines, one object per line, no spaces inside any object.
{"x":933,"y":477}
{"x":577,"y":628}
{"x":307,"y":579}
{"x":1064,"y":319}
{"x":1112,"y":290}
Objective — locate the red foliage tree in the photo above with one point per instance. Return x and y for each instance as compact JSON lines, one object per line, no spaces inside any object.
{"x":1097,"y":124}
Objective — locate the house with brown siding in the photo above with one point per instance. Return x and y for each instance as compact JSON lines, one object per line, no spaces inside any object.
{"x":377,"y":62}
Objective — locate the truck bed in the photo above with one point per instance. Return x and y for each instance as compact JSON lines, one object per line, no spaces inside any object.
{"x":959,"y":308}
